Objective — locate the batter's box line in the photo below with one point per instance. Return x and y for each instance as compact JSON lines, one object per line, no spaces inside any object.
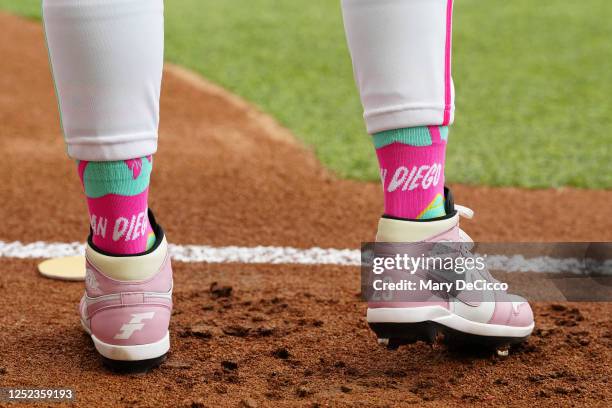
{"x":277,"y":255}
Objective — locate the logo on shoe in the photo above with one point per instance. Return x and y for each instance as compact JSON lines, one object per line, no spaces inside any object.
{"x":90,"y":280}
{"x":133,"y":325}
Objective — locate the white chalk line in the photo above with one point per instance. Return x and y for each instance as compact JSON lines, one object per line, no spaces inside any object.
{"x":199,"y":253}
{"x":287,"y":255}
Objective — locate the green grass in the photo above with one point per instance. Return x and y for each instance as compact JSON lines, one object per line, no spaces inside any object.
{"x":533,"y":82}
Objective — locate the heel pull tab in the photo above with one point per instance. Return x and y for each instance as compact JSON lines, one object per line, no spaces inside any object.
{"x":464,"y":211}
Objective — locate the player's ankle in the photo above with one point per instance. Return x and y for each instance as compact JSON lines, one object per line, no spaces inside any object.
{"x":412,"y":170}
{"x":117,"y":198}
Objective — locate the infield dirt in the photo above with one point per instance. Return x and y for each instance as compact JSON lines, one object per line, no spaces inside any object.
{"x":284,"y":335}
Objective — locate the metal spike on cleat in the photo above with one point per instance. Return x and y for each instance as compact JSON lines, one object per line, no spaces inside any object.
{"x":383,"y":342}
{"x":503,"y":351}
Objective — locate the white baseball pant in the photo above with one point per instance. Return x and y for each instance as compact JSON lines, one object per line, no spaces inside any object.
{"x":401,"y":52}
{"x":107,"y":59}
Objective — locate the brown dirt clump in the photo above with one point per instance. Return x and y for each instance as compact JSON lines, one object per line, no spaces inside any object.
{"x":261,"y":335}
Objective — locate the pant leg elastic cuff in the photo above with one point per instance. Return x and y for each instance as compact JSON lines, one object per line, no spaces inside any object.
{"x":404,"y":119}
{"x":112,"y":151}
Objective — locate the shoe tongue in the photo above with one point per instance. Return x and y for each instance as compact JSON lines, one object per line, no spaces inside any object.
{"x":449,"y":203}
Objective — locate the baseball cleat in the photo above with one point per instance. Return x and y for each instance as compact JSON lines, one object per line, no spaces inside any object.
{"x":127,"y":304}
{"x":494,"y":320}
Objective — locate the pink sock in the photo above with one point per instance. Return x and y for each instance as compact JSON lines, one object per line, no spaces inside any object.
{"x":117,"y":196}
{"x":412,"y":171}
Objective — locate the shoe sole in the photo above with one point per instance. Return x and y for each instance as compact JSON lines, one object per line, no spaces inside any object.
{"x":136,"y":358}
{"x":393,"y":335}
{"x":141,"y":366}
{"x":397,"y":326}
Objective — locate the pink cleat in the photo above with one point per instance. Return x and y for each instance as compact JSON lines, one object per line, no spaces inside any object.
{"x":127,"y":305}
{"x":492,"y":318}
